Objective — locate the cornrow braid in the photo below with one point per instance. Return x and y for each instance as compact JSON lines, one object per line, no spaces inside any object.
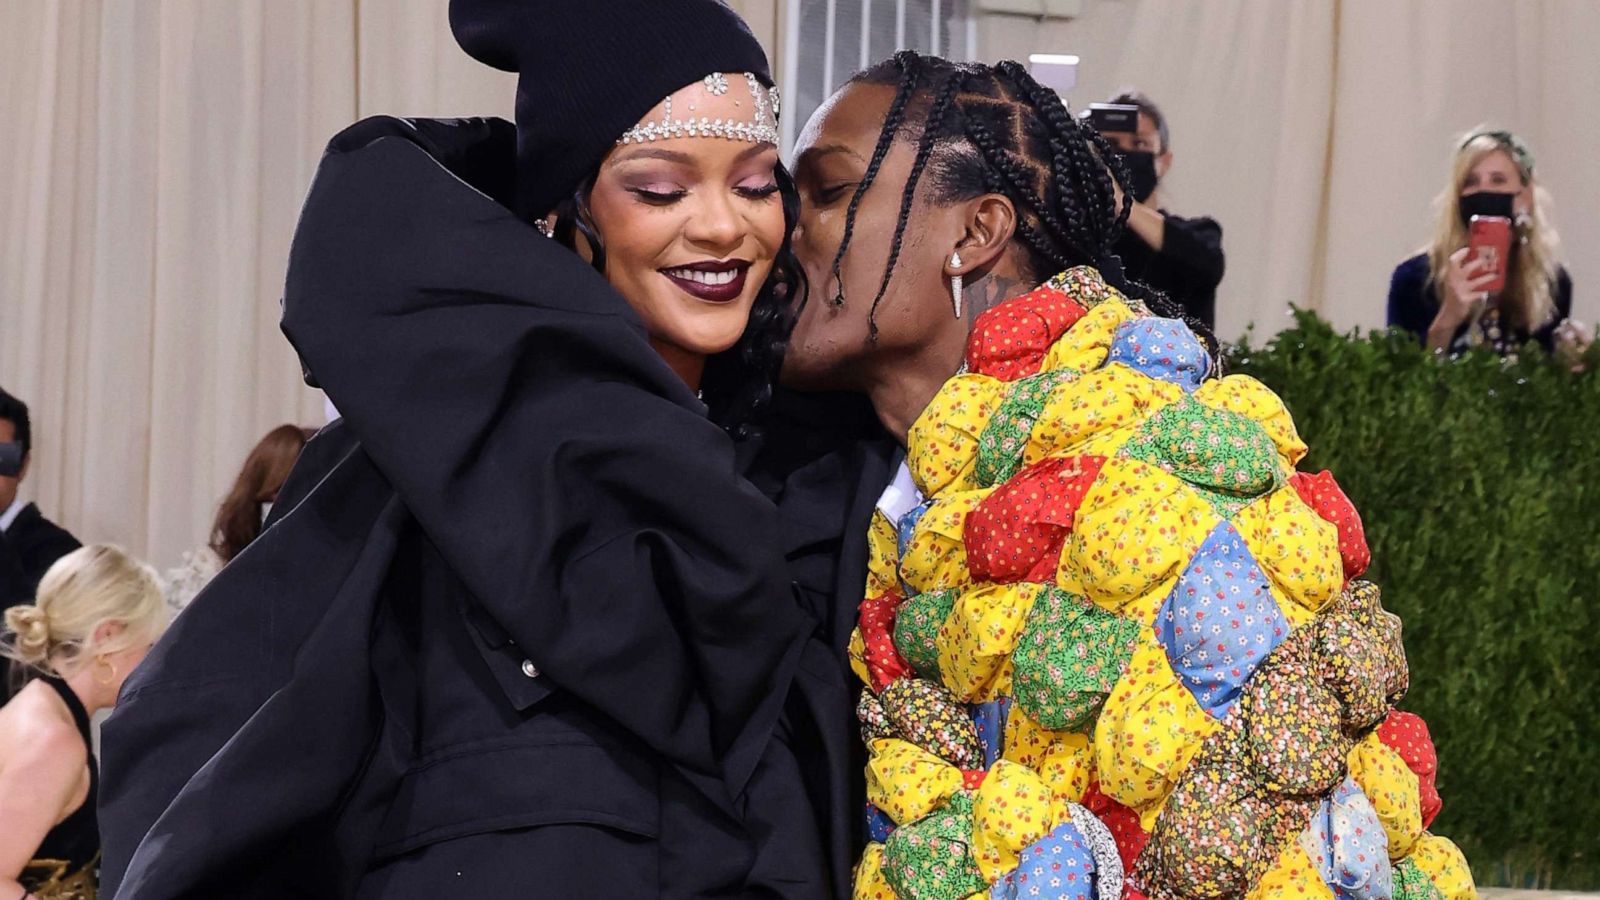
{"x":925,"y":144}
{"x":1072,"y":155}
{"x":997,"y":130}
{"x":1041,"y":246}
{"x":1012,"y":179}
{"x":1094,"y":161}
{"x":1064,"y":140}
{"x":909,"y":64}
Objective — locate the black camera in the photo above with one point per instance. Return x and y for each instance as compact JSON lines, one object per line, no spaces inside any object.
{"x":1110,"y":118}
{"x":10,"y":459}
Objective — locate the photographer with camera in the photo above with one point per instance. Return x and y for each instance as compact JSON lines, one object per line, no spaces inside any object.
{"x":1181,"y":257}
{"x":29,"y":543}
{"x":1492,"y":275}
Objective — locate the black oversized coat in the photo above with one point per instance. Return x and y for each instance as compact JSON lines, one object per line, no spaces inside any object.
{"x":519,"y":627}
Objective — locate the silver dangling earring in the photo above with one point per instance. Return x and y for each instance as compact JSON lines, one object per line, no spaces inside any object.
{"x":955,"y":283}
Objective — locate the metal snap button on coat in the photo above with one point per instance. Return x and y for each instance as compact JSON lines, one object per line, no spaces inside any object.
{"x":529,"y":669}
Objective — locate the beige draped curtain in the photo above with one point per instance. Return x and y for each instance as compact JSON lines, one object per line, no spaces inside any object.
{"x":156,"y":159}
{"x":157,"y":152}
{"x":1318,"y":131}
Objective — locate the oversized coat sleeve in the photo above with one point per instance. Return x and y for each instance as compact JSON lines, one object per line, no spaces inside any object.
{"x":565,"y":474}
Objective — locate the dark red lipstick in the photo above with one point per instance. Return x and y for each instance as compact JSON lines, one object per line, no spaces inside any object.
{"x":712,"y":280}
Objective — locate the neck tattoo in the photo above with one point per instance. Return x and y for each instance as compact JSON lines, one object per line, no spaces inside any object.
{"x":985,"y":294}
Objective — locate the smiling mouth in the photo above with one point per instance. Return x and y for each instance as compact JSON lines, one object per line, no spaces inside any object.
{"x":714,"y":281}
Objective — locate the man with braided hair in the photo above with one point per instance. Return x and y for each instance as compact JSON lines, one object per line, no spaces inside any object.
{"x":1110,"y":639}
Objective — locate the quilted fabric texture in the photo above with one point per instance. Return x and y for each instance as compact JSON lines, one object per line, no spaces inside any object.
{"x":1346,"y":844}
{"x":1292,"y":877}
{"x":1406,"y":734}
{"x":1220,"y":621}
{"x":926,"y":714}
{"x":1161,"y":348}
{"x":1322,"y":493}
{"x":1064,"y":759}
{"x":1012,"y":809}
{"x":1445,"y":867}
{"x":1067,"y":659}
{"x":1118,"y":649}
{"x":1010,"y":345}
{"x":1411,"y":883}
{"x":1060,"y":866}
{"x":976,"y":639}
{"x":1017,"y":532}
{"x":1005,"y":439}
{"x":932,"y":859}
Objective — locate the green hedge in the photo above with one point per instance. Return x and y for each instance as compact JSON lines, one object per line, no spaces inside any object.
{"x":1479,"y":484}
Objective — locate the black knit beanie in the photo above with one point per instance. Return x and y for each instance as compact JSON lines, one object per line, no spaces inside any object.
{"x":588,"y":70}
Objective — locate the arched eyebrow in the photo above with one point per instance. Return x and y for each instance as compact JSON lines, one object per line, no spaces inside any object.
{"x":681,"y":158}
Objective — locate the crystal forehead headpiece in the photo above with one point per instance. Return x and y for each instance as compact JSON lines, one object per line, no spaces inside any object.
{"x":760,"y":128}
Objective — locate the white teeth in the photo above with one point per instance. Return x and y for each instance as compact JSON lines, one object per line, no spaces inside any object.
{"x":702,"y":277}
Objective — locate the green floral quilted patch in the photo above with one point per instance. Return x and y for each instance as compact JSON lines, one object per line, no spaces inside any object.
{"x":1226,"y":457}
{"x":930,"y":859}
{"x":916,"y":629}
{"x":1001,"y":445}
{"x":1068,"y":658}
{"x":1411,"y":883}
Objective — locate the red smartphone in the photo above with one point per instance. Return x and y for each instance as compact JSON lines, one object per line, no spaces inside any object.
{"x":1490,"y":240}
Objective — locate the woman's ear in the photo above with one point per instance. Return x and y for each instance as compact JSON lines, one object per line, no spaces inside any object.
{"x":989,"y":223}
{"x":105,"y":631}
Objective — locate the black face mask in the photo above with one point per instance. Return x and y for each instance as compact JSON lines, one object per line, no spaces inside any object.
{"x":1141,"y":166}
{"x":1485,"y":203}
{"x":10,"y":459}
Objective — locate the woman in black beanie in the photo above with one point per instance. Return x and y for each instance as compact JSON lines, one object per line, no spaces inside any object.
{"x":519,"y":626}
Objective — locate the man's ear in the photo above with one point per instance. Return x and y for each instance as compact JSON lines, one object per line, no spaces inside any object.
{"x":989,"y":222}
{"x":22,"y":473}
{"x":1163,"y":163}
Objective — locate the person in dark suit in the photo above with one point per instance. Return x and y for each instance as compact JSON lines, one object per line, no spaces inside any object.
{"x":29,"y":543}
{"x":517,"y":624}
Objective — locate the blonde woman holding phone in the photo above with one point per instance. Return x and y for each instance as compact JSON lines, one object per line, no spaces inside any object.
{"x":1457,"y":293}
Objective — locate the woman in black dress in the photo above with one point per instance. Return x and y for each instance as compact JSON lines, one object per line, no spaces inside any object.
{"x":95,"y":617}
{"x":519,"y":626}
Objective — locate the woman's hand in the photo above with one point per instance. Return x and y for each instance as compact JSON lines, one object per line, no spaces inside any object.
{"x":1466,"y":281}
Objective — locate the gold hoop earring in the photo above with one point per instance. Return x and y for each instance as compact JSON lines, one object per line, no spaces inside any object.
{"x":107,"y":682}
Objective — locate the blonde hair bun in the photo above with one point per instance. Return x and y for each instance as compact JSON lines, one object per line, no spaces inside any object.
{"x":30,"y":644}
{"x":87,"y":589}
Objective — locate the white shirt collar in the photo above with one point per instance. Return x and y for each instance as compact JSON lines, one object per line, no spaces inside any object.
{"x":11,"y":513}
{"x":901,"y":496}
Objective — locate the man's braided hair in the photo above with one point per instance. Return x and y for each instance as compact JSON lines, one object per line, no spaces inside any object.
{"x":994,"y":129}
